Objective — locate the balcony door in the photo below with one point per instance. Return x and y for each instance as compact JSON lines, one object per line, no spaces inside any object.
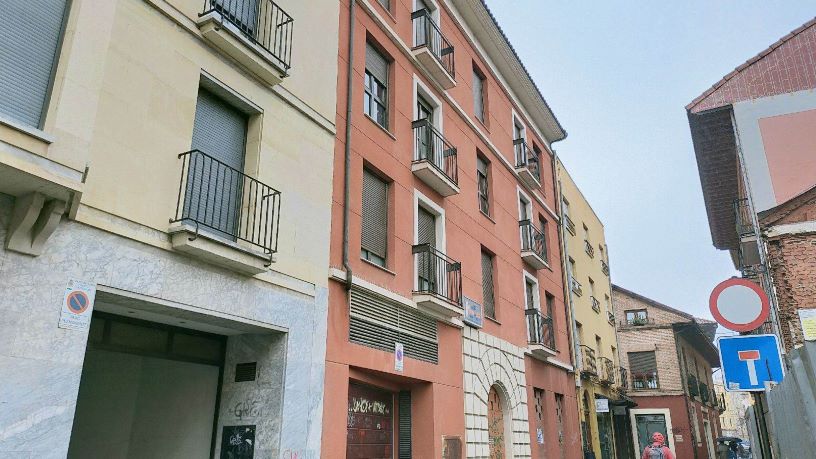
{"x":427,"y":269}
{"x":214,"y":187}
{"x":242,"y":13}
{"x":424,"y":135}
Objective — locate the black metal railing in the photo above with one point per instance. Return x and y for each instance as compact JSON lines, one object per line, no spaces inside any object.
{"x":605,"y":267}
{"x":607,"y":371}
{"x":576,"y":287}
{"x":526,"y":157}
{"x":532,"y":239}
{"x":705,"y":395}
{"x":610,"y":317}
{"x":589,"y":363}
{"x":623,"y":379}
{"x":568,"y":223}
{"x":222,"y":200}
{"x":262,"y":22}
{"x":431,"y":146}
{"x":540,"y":328}
{"x":427,"y":34}
{"x":744,"y":222}
{"x":589,"y":249}
{"x":645,"y":381}
{"x":438,"y":274}
{"x":596,"y":305}
{"x":693,"y":385}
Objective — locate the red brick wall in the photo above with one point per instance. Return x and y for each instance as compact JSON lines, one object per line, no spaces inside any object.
{"x":792,"y":259}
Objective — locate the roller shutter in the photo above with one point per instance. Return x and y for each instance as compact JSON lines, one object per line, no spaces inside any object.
{"x":374,"y":236}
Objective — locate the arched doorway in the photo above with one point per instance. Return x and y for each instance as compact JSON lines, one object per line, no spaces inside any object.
{"x":495,"y":424}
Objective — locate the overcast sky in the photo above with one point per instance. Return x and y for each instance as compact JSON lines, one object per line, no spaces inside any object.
{"x":618,"y":76}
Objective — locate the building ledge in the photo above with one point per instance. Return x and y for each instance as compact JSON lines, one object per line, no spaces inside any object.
{"x":434,"y":68}
{"x":435,"y":179}
{"x":438,"y":307}
{"x":528,"y":177}
{"x":533,"y":259}
{"x":212,"y":249}
{"x":540,"y":351}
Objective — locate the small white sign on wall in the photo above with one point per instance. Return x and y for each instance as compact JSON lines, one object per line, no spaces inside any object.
{"x":399,"y":356}
{"x":601,"y":405}
{"x":77,"y":305}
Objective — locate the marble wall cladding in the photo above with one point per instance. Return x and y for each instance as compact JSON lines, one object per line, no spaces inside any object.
{"x":40,"y":364}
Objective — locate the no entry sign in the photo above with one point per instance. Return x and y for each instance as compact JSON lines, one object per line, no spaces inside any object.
{"x":739,"y":304}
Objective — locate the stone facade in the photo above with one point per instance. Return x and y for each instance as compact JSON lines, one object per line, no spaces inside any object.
{"x":491,"y":361}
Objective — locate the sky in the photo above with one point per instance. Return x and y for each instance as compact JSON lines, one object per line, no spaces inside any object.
{"x":618,"y":76}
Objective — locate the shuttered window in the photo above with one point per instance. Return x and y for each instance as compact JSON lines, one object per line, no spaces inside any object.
{"x":483,"y":187}
{"x":642,"y":362}
{"x":478,"y":95}
{"x":404,"y":428}
{"x":542,"y":222}
{"x":487,"y":285}
{"x":374,"y":237}
{"x":30,"y":32}
{"x":375,"y":99}
{"x":529,"y":293}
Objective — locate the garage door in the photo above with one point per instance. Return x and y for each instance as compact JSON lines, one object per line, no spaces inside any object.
{"x":370,"y":423}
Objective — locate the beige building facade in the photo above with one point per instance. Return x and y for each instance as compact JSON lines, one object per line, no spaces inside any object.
{"x":174,"y":160}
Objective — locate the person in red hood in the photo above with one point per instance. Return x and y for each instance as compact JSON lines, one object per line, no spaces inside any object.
{"x":658,"y":448}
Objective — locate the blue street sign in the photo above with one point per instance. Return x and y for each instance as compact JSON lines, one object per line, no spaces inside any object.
{"x":748,"y":362}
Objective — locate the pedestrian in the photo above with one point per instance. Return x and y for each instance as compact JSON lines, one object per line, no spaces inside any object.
{"x":658,"y":448}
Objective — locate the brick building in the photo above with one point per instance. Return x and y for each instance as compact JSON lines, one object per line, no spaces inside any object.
{"x":670,"y":355}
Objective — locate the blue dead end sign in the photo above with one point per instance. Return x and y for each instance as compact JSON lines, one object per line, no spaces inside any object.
{"x":749,"y":362}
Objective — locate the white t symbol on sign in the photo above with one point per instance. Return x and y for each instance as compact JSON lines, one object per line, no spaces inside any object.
{"x":750,"y":358}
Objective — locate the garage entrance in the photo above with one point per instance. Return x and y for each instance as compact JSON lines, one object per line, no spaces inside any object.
{"x":147,"y":390}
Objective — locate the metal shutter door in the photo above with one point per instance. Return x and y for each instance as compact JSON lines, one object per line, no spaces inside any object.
{"x":30,"y":32}
{"x":215,"y":186}
{"x":374,"y":237}
{"x":404,"y":432}
{"x":487,"y":285}
{"x":376,"y":64}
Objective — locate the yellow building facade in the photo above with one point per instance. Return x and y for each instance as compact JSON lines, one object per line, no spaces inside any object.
{"x":589,"y":292}
{"x":171,"y":161}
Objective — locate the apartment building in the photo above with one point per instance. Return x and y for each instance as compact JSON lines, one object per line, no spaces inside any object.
{"x":447,"y":330}
{"x":168,"y":162}
{"x":753,"y":135}
{"x":601,"y":379}
{"x":733,"y":419}
{"x":670,"y":355}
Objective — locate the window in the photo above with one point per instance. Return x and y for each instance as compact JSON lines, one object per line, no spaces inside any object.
{"x":375,"y":102}
{"x":531,"y":299}
{"x":483,"y":187}
{"x":550,"y":303}
{"x":643,"y":366}
{"x":488,"y":295}
{"x":479,"y":105}
{"x":542,"y":222}
{"x":386,"y":4}
{"x":637,"y":317}
{"x":374,"y":238}
{"x":28,"y":54}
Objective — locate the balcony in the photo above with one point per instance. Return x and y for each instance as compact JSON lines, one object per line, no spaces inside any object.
{"x":605,"y":267}
{"x":569,"y":225}
{"x":623,"y":380}
{"x":540,"y":334}
{"x":610,"y":317}
{"x":432,"y":49}
{"x":224,"y":216}
{"x":438,"y":290}
{"x":596,"y":305}
{"x":589,"y":365}
{"x":527,"y":165}
{"x":607,"y":371}
{"x":645,"y":381}
{"x":434,"y":159}
{"x":256,"y":33}
{"x":576,"y":287}
{"x":693,"y":385}
{"x":533,"y":245}
{"x":589,"y":249}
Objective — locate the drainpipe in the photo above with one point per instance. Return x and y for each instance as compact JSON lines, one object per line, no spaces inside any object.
{"x":347,"y":147}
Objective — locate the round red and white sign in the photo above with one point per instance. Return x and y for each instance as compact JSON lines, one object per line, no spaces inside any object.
{"x":739,"y":304}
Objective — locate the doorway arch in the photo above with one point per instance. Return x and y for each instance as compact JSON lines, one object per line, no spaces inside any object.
{"x":499,"y":423}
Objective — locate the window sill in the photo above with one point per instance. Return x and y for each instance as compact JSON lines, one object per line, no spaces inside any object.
{"x":482,"y":123}
{"x":380,"y":126}
{"x":371,"y":263}
{"x":28,"y":130}
{"x":495,"y":321}
{"x":487,"y":217}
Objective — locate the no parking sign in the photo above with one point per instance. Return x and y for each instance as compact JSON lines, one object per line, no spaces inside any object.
{"x":77,"y":305}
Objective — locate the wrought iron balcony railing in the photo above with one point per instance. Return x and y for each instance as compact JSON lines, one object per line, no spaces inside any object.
{"x":526,"y":157}
{"x":533,"y":239}
{"x":610,"y":317}
{"x":262,"y":22}
{"x":427,"y":34}
{"x":438,"y":274}
{"x":596,"y":305}
{"x":693,"y":385}
{"x":605,"y":267}
{"x":589,"y":249}
{"x":431,"y":146}
{"x":569,"y":225}
{"x":576,"y":287}
{"x":540,"y":328}
{"x":607,"y":371}
{"x":589,"y":363}
{"x":645,"y":381}
{"x":226,"y":202}
{"x":744,"y":222}
{"x":623,"y":379}
{"x":636,"y":322}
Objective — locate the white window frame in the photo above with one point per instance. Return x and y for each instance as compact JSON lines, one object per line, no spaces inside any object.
{"x":429,"y":205}
{"x":536,"y":293}
{"x":517,"y":120}
{"x":633,"y":422}
{"x":434,"y":9}
{"x":528,"y":204}
{"x":421,"y":88}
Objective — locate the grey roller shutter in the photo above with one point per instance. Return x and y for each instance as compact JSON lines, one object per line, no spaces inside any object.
{"x":642,"y":362}
{"x":374,"y":237}
{"x":487,"y":285}
{"x":478,"y":95}
{"x":376,"y":64}
{"x":216,"y":182}
{"x":529,"y":292}
{"x":426,"y":227}
{"x":30,"y":32}
{"x":404,"y":428}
